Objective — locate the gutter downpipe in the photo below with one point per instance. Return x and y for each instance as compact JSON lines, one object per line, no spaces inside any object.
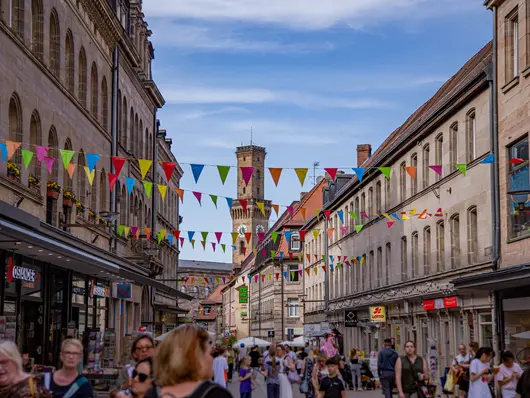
{"x":114,"y":133}
{"x":326,"y":273}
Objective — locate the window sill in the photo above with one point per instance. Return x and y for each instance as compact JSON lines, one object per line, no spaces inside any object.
{"x":518,"y":239}
{"x":511,"y":84}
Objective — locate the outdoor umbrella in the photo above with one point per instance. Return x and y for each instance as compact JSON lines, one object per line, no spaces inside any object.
{"x":251,"y":342}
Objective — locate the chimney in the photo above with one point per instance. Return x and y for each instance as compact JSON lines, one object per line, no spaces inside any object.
{"x":364,"y":152}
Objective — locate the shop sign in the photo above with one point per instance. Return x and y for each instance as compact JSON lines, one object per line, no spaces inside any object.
{"x":124,"y":291}
{"x":78,"y":290}
{"x":311,"y":328}
{"x":243,"y":295}
{"x":378,"y":314}
{"x":447,"y":302}
{"x":20,"y":273}
{"x":98,"y":290}
{"x":350,"y":319}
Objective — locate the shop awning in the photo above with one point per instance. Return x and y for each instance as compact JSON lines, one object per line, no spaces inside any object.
{"x":504,"y":278}
{"x":145,"y":280}
{"x":169,"y":308}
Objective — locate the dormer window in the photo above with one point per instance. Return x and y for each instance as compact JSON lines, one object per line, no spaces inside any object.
{"x":296,"y":245}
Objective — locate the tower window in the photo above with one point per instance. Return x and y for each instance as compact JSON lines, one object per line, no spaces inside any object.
{"x":244,"y":190}
{"x":258,"y":190}
{"x":244,"y":158}
{"x":241,"y":247}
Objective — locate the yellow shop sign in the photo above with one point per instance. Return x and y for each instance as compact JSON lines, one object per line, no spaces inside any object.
{"x":378,"y":314}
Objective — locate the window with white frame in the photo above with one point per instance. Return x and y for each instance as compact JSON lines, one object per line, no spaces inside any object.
{"x":293,"y":306}
{"x":294,"y":275}
{"x":296,"y":245}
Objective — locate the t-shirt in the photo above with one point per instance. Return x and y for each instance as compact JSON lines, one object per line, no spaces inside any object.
{"x":478,"y":388}
{"x":219,"y":367}
{"x":246,"y":385}
{"x":505,"y":372}
{"x":85,"y":391}
{"x":254,"y":356}
{"x":332,"y":387}
{"x":462,"y":359}
{"x":271,"y":378}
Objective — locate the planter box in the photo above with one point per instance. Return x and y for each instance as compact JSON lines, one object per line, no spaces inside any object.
{"x":34,"y":188}
{"x":52,"y":194}
{"x":13,"y":177}
{"x":68,"y":203}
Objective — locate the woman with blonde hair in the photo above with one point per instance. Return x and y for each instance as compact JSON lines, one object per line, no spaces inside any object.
{"x":320,"y":370}
{"x":184,"y":365}
{"x":14,"y":382}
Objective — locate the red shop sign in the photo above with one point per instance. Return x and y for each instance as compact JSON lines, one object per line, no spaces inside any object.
{"x":446,"y":302}
{"x":451,"y":302}
{"x":428,"y":305}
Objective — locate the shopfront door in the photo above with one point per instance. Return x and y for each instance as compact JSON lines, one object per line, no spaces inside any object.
{"x":58,"y":312}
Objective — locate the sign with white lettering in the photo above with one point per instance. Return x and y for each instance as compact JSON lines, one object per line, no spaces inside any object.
{"x":98,"y":290}
{"x":14,"y":272}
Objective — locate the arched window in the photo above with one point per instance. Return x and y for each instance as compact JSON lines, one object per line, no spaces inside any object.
{"x":438,"y":155}
{"x":471,"y":136}
{"x":15,"y":127}
{"x":123,"y":205}
{"x":183,"y":289}
{"x":81,"y":179}
{"x":94,"y":92}
{"x":426,"y":164}
{"x":55,"y":44}
{"x":150,"y":156}
{"x":453,"y":141}
{"x":35,"y":138}
{"x":82,"y":83}
{"x":136,"y":137}
{"x":104,"y":104}
{"x":134,"y":143}
{"x":241,"y":247}
{"x":16,"y":18}
{"x":472,"y":235}
{"x":124,"y":131}
{"x":427,"y":249}
{"x":414,"y":179}
{"x":206,"y":291}
{"x":141,"y":154}
{"x":378,"y":208}
{"x":69,"y":61}
{"x":195,"y":291}
{"x":102,"y":191}
{"x":402,"y":182}
{"x":440,"y":246}
{"x":51,"y":205}
{"x":37,"y":28}
{"x":455,"y":241}
{"x":94,"y":194}
{"x":67,"y":181}
{"x":140,"y":214}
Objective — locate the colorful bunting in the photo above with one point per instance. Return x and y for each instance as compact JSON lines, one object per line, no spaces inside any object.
{"x":340,"y":213}
{"x":70,"y":169}
{"x":328,"y":214}
{"x":112,"y":180}
{"x":332,"y":172}
{"x":462,"y":168}
{"x":169,"y":168}
{"x":198,"y":196}
{"x":261,"y":207}
{"x":276,"y":208}
{"x":301,"y":174}
{"x":243,"y":204}
{"x":246,"y":172}
{"x":234,"y":237}
{"x":287,"y":235}
{"x":148,"y":186}
{"x":386,"y":171}
{"x":437,"y":169}
{"x":302,"y":233}
{"x":180,"y":193}
{"x":275,"y":174}
{"x":390,"y":223}
{"x":145,"y":165}
{"x":248,"y":236}
{"x":91,"y":160}
{"x":129,"y":182}
{"x":12,"y":147}
{"x":118,"y":164}
{"x":229,"y":202}
{"x":411,"y":171}
{"x":223,"y":172}
{"x":49,"y":165}
{"x":358,"y":228}
{"x":196,"y":170}
{"x":214,"y":199}
{"x":3,"y":151}
{"x":26,"y":156}
{"x":316,"y":232}
{"x":218,"y":236}
{"x":90,"y":175}
{"x":359,"y":172}
{"x":488,"y":159}
{"x":41,"y":152}
{"x":162,"y":189}
{"x":67,"y":156}
{"x":274,"y":236}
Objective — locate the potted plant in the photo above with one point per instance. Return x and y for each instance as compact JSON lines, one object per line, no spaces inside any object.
{"x":53,"y":190}
{"x":34,"y":183}
{"x":91,"y":215}
{"x":68,"y":198}
{"x":80,"y":208}
{"x":13,"y":171}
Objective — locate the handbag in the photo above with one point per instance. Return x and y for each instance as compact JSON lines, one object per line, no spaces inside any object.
{"x":449,"y":383}
{"x":304,"y":385}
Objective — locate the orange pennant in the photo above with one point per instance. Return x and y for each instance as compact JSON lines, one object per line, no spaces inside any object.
{"x":411,"y":170}
{"x":12,"y":147}
{"x":275,"y":174}
{"x":276,"y":208}
{"x":330,"y":231}
{"x":70,"y":169}
{"x":303,"y":210}
{"x":248,"y":235}
{"x":180,"y":193}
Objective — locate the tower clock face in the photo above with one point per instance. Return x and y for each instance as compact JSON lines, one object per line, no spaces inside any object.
{"x":241,"y":230}
{"x":260,"y":228}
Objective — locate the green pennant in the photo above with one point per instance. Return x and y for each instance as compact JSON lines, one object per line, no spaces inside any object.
{"x":148,"y":188}
{"x":462,"y":168}
{"x":27,"y":156}
{"x":192,"y":243}
{"x":358,"y":228}
{"x":214,"y":200}
{"x":223,"y":172}
{"x":204,"y":235}
{"x":223,"y":246}
{"x":160,"y":237}
{"x":274,"y":236}
{"x":273,"y":253}
{"x":386,"y":171}
{"x":67,"y":156}
{"x":292,"y":275}
{"x":323,"y":257}
{"x":354,"y":215}
{"x":121,"y":228}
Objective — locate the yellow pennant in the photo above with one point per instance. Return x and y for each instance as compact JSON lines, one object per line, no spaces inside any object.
{"x":126,"y":230}
{"x":90,"y":175}
{"x":162,"y":189}
{"x":145,"y":165}
{"x":405,"y":217}
{"x":316,"y":270}
{"x":261,"y":207}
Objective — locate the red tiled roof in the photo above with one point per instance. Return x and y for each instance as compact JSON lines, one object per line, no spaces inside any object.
{"x":215,"y":297}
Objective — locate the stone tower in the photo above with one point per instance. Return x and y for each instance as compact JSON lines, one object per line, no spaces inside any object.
{"x":252,"y":221}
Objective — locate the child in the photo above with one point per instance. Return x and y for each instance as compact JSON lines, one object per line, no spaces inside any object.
{"x":332,"y":385}
{"x":245,"y":377}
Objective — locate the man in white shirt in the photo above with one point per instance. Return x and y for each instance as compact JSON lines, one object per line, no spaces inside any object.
{"x":220,"y":366}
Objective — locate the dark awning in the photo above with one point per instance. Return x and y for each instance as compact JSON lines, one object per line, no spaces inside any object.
{"x":169,"y":308}
{"x":503,"y":278}
{"x":145,"y":280}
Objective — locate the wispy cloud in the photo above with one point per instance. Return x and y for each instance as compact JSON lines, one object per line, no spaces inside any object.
{"x":202,"y":113}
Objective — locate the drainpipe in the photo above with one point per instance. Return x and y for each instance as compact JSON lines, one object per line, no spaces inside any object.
{"x":114,"y":133}
{"x":326,"y":272}
{"x":156,"y":128}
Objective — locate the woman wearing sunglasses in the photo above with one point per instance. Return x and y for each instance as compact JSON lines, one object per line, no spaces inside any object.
{"x":140,"y":382}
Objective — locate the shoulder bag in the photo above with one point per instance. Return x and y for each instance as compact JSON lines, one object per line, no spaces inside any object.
{"x":304,"y":385}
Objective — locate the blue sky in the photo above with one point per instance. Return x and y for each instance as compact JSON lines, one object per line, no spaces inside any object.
{"x":312,"y":78}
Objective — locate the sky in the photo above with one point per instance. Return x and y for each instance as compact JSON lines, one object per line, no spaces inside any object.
{"x":311,"y":78}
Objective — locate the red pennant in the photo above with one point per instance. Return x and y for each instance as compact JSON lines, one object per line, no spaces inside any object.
{"x":169,"y":168}
{"x":302,"y":235}
{"x":263,"y":278}
{"x":390,"y":223}
{"x":218,"y":235}
{"x":261,"y":236}
{"x":118,"y":164}
{"x":244,"y":250}
{"x":198,"y":195}
{"x":328,"y":214}
{"x":316,"y":257}
{"x":290,"y":256}
{"x":176,"y":233}
{"x":213,"y":245}
{"x":181,"y":242}
{"x":248,"y":236}
{"x":112,"y":180}
{"x":277,"y":276}
{"x":324,"y":268}
{"x":244,"y":204}
{"x":516,"y":161}
{"x":332,"y":173}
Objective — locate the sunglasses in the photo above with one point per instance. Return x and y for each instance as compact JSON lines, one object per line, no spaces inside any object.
{"x":141,"y":376}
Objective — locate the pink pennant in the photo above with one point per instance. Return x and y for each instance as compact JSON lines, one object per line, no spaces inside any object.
{"x":261,"y":236}
{"x":198,"y":195}
{"x":218,"y":235}
{"x":390,"y":223}
{"x":436,"y":169}
{"x":181,"y":242}
{"x":256,"y":278}
{"x":332,"y":173}
{"x":363,"y":213}
{"x":186,"y":278}
{"x":263,"y":252}
{"x":290,"y":210}
{"x":300,"y":272}
{"x":247,"y":174}
{"x":41,"y":152}
{"x":344,"y":230}
{"x":134,"y":231}
{"x":213,"y":246}
{"x":49,"y":164}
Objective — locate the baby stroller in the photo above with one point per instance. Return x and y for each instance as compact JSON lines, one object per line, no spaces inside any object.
{"x":347,"y":375}
{"x":367,"y":377}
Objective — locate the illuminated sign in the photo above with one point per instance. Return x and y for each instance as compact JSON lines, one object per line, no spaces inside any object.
{"x":378,"y":314}
{"x":14,"y":272}
{"x":98,"y":290}
{"x":243,"y":295}
{"x":447,"y":302}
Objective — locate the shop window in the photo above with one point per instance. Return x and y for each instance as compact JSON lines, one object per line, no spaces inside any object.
{"x":519,"y":189}
{"x":486,"y":330}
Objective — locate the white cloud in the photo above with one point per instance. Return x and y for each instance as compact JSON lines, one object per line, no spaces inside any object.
{"x":200,"y":113}
{"x":307,"y":14}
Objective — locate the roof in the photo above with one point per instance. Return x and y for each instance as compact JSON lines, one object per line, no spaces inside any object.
{"x":205,"y":265}
{"x":215,"y":297}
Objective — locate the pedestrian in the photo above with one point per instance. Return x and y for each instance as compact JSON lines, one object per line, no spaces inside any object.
{"x":460,"y":368}
{"x":141,"y":381}
{"x":14,"y":382}
{"x":320,"y":370}
{"x":67,"y":382}
{"x":480,"y":374}
{"x":183,"y":365}
{"x":230,"y":359}
{"x":332,"y":386}
{"x":307,"y":348}
{"x":355,"y":369}
{"x":523,"y":385}
{"x":266,"y":352}
{"x":307,"y":373}
{"x":286,"y":365}
{"x":143,"y":347}
{"x":254,"y":356}
{"x":290,"y":353}
{"x":509,"y":375}
{"x":386,"y":365}
{"x":271,"y":371}
{"x":245,"y":377}
{"x":411,"y":372}
{"x":220,"y":368}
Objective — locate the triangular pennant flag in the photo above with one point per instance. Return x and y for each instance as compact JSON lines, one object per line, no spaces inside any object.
{"x":423,"y":215}
{"x":277,"y":275}
{"x":515,"y":161}
{"x":301,"y":174}
{"x":276,"y":208}
{"x":386,"y":216}
{"x":112,"y":180}
{"x":218,"y":236}
{"x":488,"y":159}
{"x":12,"y":147}
{"x":118,"y":164}
{"x":315,"y":270}
{"x":437,"y":169}
{"x":261,"y":236}
{"x":308,"y":271}
{"x":354,"y":215}
{"x":49,"y":165}
{"x":438,"y":213}
{"x":261,"y":207}
{"x":180,"y":193}
{"x":273,"y":253}
{"x":386,"y":171}
{"x":308,"y":256}
{"x":234,"y":237}
{"x":263,"y":277}
{"x":26,"y":156}
{"x":70,"y":169}
{"x":285,"y":275}
{"x":411,"y":171}
{"x":162,"y":189}
{"x":340,"y":213}
{"x":203,"y":243}
{"x":198,"y":196}
{"x":41,"y":152}
{"x":223,"y":246}
{"x":396,"y":216}
{"x":213,"y":245}
{"x":169,"y":168}
{"x":192,"y":241}
{"x":324,"y":268}
{"x":67,"y":156}
{"x":358,"y":228}
{"x":328,"y":214}
{"x":145,"y":165}
{"x":413,"y":211}
{"x":129,"y":183}
{"x":290,"y":210}
{"x":287,"y":235}
{"x":302,"y":233}
{"x":315,"y":233}
{"x":344,"y":229}
{"x":332,"y":172}
{"x":390,"y":223}
{"x":462,"y":168}
{"x":229,"y":202}
{"x":405,"y":217}
{"x":126,"y":231}
{"x":90,"y":174}
{"x":214,"y":199}
{"x":91,"y":160}
{"x":148,"y":186}
{"x":121,"y":228}
{"x":248,"y":236}
{"x":246,"y":172}
{"x":364,"y":214}
{"x":176,"y":233}
{"x":204,"y":235}
{"x":243,"y":204}
{"x":196,"y":170}
{"x":147,"y":232}
{"x":190,"y":235}
{"x":135,"y":231}
{"x":161,"y":235}
{"x":3,"y":152}
{"x":299,"y":255}
{"x":359,"y":172}
{"x":274,"y":236}
{"x":275,"y":174}
{"x":223,"y":172}
{"x":330,"y":232}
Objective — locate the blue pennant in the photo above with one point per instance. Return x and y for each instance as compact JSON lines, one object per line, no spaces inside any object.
{"x":3,"y":149}
{"x":287,"y":235}
{"x":488,"y":159}
{"x":190,"y":235}
{"x":91,"y":160}
{"x":196,"y":169}
{"x":129,"y":182}
{"x":340,"y":213}
{"x":359,"y":172}
{"x":229,"y":203}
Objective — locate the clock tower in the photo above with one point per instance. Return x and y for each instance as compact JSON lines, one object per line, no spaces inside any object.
{"x":252,"y":220}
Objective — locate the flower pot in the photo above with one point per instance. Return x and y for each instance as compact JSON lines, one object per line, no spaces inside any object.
{"x":34,"y":188}
{"x":68,"y":202}
{"x":52,"y":194}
